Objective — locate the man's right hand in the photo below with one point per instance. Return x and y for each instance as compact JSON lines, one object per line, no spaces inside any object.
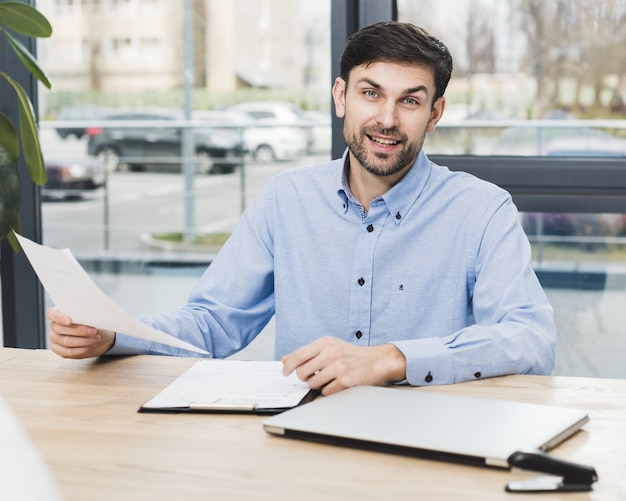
{"x":70,"y":340}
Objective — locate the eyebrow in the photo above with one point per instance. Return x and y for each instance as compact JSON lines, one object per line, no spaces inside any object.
{"x":412,"y":90}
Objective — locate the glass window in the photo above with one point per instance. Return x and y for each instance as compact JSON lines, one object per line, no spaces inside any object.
{"x":143,"y":214}
{"x":580,"y":259}
{"x":546,"y":79}
{"x":531,"y":78}
{"x":140,"y":215}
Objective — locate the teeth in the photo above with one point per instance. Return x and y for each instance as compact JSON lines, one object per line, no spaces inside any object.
{"x":383,"y":142}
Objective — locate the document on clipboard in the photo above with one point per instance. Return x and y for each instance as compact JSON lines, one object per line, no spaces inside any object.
{"x":232,"y":386}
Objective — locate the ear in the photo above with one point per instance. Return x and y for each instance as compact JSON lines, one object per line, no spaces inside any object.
{"x":339,"y":97}
{"x":436,"y":114}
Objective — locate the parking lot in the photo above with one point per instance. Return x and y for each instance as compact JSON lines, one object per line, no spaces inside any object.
{"x":137,"y":203}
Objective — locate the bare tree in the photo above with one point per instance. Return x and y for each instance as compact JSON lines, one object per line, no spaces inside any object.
{"x":575,"y":39}
{"x":480,"y":42}
{"x":607,"y":26}
{"x":536,"y":21}
{"x":93,"y":28}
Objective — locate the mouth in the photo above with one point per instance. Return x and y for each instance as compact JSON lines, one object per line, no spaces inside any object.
{"x":383,"y":143}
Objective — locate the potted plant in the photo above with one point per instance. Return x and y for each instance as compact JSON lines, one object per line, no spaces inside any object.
{"x":21,"y":18}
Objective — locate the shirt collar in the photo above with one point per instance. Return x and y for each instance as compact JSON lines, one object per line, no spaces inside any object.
{"x":344,"y":191}
{"x":401,"y":197}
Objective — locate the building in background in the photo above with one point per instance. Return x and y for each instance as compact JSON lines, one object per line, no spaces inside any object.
{"x":137,"y":45}
{"x":113,"y":44}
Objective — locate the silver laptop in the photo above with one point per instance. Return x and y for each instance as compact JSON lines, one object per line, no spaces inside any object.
{"x":432,"y":425}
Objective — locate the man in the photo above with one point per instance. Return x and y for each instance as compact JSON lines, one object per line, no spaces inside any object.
{"x":380,"y":266}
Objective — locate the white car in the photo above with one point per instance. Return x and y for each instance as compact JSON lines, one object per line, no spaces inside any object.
{"x":265,"y":141}
{"x":277,"y":114}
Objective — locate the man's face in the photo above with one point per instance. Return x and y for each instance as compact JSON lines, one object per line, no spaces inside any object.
{"x":387,"y":110}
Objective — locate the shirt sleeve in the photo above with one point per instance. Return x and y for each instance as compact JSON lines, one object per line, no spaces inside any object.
{"x":513,"y":330}
{"x":232,"y":301}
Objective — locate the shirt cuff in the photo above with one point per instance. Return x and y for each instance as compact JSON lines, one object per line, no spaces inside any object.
{"x":125,"y":345}
{"x":427,"y":361}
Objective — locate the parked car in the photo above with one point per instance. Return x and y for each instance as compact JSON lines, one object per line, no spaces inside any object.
{"x":586,"y":147}
{"x":321,"y":131}
{"x":277,"y":114}
{"x":72,"y":178}
{"x":558,"y":141}
{"x":264,"y":143}
{"x":159,"y":146}
{"x":80,"y":114}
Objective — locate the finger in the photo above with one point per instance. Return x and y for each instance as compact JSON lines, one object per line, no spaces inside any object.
{"x":57,"y":316}
{"x":73,"y":341}
{"x":320,"y":379}
{"x":332,"y":387}
{"x":65,"y":352}
{"x":298,"y":358}
{"x":69,"y":346}
{"x":62,"y":323}
{"x":73,"y":329}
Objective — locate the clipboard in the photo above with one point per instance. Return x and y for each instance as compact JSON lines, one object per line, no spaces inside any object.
{"x":232,"y":386}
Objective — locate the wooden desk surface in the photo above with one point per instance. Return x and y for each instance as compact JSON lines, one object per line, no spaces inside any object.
{"x":82,"y":416}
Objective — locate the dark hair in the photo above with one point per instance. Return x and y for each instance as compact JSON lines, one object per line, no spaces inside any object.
{"x":393,"y":41}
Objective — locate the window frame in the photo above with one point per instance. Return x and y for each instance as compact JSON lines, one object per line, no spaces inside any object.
{"x":551,"y":184}
{"x":23,"y":316}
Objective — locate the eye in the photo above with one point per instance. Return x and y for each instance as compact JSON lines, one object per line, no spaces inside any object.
{"x":411,"y":101}
{"x":370,"y":93}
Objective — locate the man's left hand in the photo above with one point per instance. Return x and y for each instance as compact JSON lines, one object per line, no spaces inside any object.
{"x":331,"y":364}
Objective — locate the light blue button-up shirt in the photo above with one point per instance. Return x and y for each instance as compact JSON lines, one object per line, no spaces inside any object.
{"x":439,"y":266}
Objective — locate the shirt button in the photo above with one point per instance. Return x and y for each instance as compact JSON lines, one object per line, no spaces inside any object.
{"x":477,"y":375}
{"x":370,"y":228}
{"x":358,"y":334}
{"x":361,"y":281}
{"x":428,"y":377}
{"x":398,"y":216}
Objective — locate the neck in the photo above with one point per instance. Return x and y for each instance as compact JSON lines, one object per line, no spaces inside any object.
{"x":366,"y":186}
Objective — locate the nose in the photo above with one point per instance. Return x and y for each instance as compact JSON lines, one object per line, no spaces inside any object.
{"x":387,"y":115}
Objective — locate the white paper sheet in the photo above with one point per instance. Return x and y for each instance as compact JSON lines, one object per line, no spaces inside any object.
{"x":231,"y":384}
{"x":74,"y":293}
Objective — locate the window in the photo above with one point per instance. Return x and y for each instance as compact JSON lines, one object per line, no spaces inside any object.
{"x":522,"y":110}
{"x":145,"y":203}
{"x":535,"y":105}
{"x":148,"y":43}
{"x":65,"y":6}
{"x":122,"y":5}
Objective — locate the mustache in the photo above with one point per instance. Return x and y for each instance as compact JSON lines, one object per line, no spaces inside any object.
{"x":384,"y":131}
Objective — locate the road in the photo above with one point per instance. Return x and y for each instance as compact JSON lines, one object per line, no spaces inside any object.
{"x":138,"y":203}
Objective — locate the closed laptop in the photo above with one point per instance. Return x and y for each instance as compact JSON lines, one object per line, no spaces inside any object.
{"x":429,"y":424}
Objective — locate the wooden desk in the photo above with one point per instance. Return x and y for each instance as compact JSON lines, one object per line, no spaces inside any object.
{"x":82,"y":416}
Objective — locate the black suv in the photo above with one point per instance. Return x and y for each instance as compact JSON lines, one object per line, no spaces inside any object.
{"x":159,"y":146}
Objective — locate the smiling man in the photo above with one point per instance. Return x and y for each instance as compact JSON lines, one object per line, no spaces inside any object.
{"x":385,"y":124}
{"x":380,"y":266}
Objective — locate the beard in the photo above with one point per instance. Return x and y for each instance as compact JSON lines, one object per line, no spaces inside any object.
{"x":378,"y":163}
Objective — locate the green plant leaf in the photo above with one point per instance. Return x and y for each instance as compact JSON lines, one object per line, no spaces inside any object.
{"x":8,"y":138}
{"x":15,"y":244}
{"x":27,"y":59}
{"x":24,"y":19}
{"x":9,"y":193}
{"x":29,"y":135}
{"x":30,"y":143}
